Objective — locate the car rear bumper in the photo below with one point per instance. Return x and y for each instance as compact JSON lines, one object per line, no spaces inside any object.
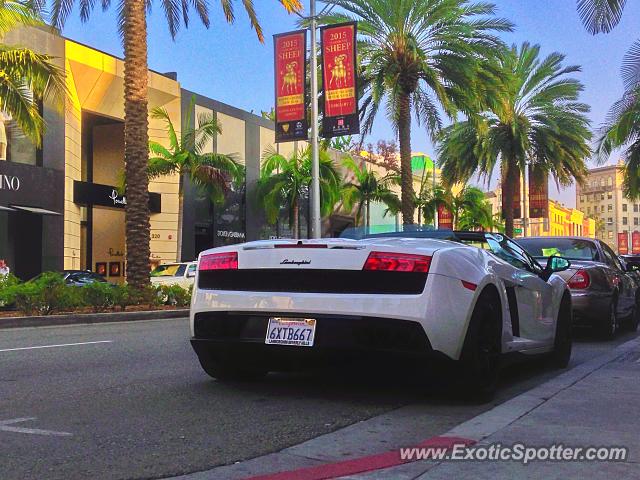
{"x":240,"y":336}
{"x":590,"y":308}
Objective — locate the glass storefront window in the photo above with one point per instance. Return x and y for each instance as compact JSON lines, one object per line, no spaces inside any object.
{"x":14,"y":145}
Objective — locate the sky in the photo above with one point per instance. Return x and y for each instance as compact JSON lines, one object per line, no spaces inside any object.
{"x":227,"y":63}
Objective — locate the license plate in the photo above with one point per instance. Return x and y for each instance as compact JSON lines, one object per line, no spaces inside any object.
{"x":298,"y":332}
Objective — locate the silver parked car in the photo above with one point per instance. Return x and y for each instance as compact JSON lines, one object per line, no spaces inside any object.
{"x":604,"y":292}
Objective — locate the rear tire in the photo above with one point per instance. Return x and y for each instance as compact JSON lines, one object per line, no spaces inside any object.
{"x":563,"y":341}
{"x":481,"y":354}
{"x":227,"y":370}
{"x":608,"y":328}
{"x":634,"y":319}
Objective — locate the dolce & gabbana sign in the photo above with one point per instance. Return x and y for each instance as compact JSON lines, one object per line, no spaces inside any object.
{"x":9,"y":182}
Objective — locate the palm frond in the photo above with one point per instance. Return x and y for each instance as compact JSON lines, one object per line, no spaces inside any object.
{"x":600,"y":16}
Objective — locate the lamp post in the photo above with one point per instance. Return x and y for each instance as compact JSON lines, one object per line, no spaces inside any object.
{"x":316,"y":229}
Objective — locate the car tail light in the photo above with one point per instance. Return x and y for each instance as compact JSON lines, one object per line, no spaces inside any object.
{"x":219,"y":261}
{"x":580,"y":280}
{"x":397,"y":262}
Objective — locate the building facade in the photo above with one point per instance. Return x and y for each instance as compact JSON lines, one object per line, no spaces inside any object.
{"x":60,"y":207}
{"x":560,"y":221}
{"x":602,"y":197}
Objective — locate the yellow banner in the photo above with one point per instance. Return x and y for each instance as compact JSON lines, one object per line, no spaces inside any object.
{"x":290,"y":100}
{"x":341,"y":93}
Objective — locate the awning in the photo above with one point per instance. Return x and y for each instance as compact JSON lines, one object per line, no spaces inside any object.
{"x":40,"y":211}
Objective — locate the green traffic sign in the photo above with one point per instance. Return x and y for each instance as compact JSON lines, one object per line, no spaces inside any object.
{"x":517,"y":230}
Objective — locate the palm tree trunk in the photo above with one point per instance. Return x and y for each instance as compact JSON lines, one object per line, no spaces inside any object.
{"x":509,"y":192}
{"x":295,"y":230}
{"x":404,"y":134}
{"x":136,"y":142}
{"x":180,"y":219}
{"x":368,"y":216}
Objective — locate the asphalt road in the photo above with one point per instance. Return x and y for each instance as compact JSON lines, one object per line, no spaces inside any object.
{"x":137,"y":405}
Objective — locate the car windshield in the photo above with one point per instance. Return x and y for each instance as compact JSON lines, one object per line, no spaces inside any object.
{"x":571,"y":248}
{"x":170,"y":270}
{"x":406,"y":231}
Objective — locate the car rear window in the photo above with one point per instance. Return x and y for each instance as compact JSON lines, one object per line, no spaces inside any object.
{"x":171,"y":270}
{"x":571,"y":248}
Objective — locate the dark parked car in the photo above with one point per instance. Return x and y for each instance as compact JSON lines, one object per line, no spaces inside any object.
{"x":80,"y":278}
{"x":604,"y":292}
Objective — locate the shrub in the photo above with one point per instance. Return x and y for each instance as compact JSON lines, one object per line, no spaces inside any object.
{"x":149,"y":295}
{"x":99,"y":295}
{"x":43,"y":295}
{"x":7,"y":282}
{"x":175,"y":295}
{"x":27,"y":298}
{"x":55,"y":293}
{"x":123,"y":296}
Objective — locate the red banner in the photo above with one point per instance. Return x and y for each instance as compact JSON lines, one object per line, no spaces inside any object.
{"x":290,"y":70}
{"x":445,"y":218}
{"x":340,"y":116}
{"x":623,"y":243}
{"x":635,"y":243}
{"x":538,"y":196}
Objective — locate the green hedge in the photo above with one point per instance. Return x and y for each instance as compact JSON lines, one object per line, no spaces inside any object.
{"x":48,"y":293}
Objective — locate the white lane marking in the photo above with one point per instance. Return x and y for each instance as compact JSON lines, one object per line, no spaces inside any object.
{"x":32,"y":431}
{"x":54,"y":346}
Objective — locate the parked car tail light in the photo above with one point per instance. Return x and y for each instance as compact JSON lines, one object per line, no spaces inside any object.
{"x":219,"y":261}
{"x":580,"y":280}
{"x":397,"y":262}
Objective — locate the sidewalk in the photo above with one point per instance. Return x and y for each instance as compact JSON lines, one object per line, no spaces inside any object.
{"x":596,"y":404}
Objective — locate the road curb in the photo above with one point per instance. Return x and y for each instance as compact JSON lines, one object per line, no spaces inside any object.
{"x":89,"y":318}
{"x":298,"y":458}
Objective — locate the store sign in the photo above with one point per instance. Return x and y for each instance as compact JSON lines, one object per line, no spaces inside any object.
{"x":340,"y":92}
{"x":9,"y":182}
{"x":117,"y":199}
{"x":445,"y":218}
{"x":538,"y":195}
{"x":290,"y":54}
{"x":230,"y":234}
{"x":623,"y":243}
{"x":95,"y":194}
{"x":635,"y":243}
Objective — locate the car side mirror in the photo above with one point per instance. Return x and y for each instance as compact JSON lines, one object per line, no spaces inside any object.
{"x":555,"y":264}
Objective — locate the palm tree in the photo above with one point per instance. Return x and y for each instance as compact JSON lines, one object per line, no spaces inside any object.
{"x":185,"y":156}
{"x":26,"y":76}
{"x":132,"y":24}
{"x":284,"y":182}
{"x":622,"y":129}
{"x":535,"y":119}
{"x":622,"y":125}
{"x":420,"y":55}
{"x":469,"y":207}
{"x":368,"y":187}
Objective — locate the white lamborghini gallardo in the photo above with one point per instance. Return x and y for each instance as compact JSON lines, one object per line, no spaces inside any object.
{"x":467,"y":297}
